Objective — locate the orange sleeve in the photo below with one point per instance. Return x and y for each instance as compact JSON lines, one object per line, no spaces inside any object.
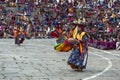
{"x":15,"y":33}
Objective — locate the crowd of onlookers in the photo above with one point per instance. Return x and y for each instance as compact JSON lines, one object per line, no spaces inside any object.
{"x":39,"y":17}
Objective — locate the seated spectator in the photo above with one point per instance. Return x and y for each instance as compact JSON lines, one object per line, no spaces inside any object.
{"x":102,"y":44}
{"x":118,"y":44}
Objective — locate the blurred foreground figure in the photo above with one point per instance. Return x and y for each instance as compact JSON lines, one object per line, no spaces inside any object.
{"x":79,"y":56}
{"x":78,"y":43}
